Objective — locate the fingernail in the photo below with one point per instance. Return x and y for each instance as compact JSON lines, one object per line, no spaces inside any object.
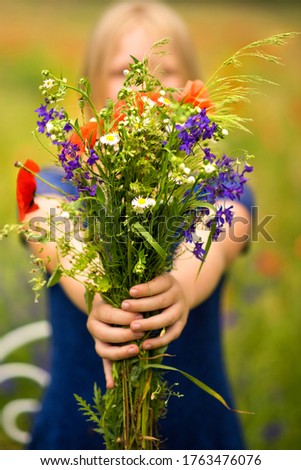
{"x":125,"y":305}
{"x":138,"y":316}
{"x":133,"y":291}
{"x":135,"y":325}
{"x":132,"y":349}
{"x":146,"y":346}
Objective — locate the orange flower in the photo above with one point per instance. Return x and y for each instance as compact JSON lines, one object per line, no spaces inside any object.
{"x":88,"y":134}
{"x":118,"y":114}
{"x":196,"y":93}
{"x":26,"y":188}
{"x":142,"y":98}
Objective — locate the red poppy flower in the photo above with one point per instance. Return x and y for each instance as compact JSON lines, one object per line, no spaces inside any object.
{"x":196,"y":93}
{"x":88,"y":136}
{"x":26,"y":188}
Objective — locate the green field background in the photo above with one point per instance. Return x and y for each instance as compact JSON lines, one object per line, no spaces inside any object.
{"x":262,"y":320}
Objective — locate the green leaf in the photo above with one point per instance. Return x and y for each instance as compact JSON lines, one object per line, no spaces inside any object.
{"x":208,"y":245}
{"x":55,"y":277}
{"x":199,"y":384}
{"x":89,"y":297}
{"x":136,"y":61}
{"x":100,"y":195}
{"x":104,"y":284}
{"x":134,"y":375}
{"x":142,"y":230}
{"x":76,"y":125}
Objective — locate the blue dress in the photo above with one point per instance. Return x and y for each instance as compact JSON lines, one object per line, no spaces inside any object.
{"x":195,"y":421}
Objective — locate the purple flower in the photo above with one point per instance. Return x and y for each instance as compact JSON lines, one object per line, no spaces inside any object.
{"x":93,"y":157}
{"x":68,"y":127}
{"x":199,"y":251}
{"x":222,"y":216}
{"x":42,"y":110}
{"x":247,"y":169}
{"x":68,"y":152}
{"x":228,"y":213}
{"x":91,"y":190}
{"x":47,"y":116}
{"x":188,"y":234}
{"x":197,"y":127}
{"x":209,"y":157}
{"x":227,"y":183}
{"x":70,"y":166}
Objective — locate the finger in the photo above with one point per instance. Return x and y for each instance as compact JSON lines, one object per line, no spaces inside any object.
{"x":162,"y":320}
{"x":108,"y":314}
{"x":115,"y":353}
{"x":112,"y":334}
{"x":150,"y":304}
{"x":107,"y":367}
{"x":155,"y":286}
{"x":171,"y":333}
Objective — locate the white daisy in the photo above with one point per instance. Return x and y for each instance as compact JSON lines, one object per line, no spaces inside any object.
{"x":110,"y":139}
{"x":146,"y":100}
{"x":164,"y":100}
{"x":140,"y":203}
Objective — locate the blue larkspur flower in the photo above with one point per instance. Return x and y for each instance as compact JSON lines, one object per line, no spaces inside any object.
{"x":222,"y":216}
{"x":68,"y":127}
{"x":199,"y":251}
{"x":91,"y":190}
{"x":197,"y":127}
{"x":188,"y":234}
{"x":70,"y":166}
{"x":209,"y":156}
{"x":93,"y":157}
{"x":68,"y":152}
{"x":47,"y":115}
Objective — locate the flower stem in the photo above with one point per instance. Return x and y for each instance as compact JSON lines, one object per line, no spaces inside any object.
{"x":126,"y":417}
{"x":36,"y":175}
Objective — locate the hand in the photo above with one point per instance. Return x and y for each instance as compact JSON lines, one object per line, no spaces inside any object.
{"x":162,"y":293}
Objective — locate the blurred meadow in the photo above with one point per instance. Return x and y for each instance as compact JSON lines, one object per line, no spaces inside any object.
{"x":262,"y":320}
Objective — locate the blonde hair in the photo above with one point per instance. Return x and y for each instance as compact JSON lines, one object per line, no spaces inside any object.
{"x":155,"y":17}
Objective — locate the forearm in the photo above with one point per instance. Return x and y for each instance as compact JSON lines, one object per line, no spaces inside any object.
{"x":74,"y":289}
{"x":199,"y":284}
{"x":50,"y":254}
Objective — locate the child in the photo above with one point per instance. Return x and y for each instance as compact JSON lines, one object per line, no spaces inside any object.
{"x":190,"y":306}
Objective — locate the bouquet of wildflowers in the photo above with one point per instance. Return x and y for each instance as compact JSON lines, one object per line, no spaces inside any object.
{"x":150,"y":174}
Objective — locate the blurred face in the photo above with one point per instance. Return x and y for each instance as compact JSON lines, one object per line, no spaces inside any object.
{"x":138,"y":42}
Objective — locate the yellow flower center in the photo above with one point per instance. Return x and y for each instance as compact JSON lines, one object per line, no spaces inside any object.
{"x":141,"y":200}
